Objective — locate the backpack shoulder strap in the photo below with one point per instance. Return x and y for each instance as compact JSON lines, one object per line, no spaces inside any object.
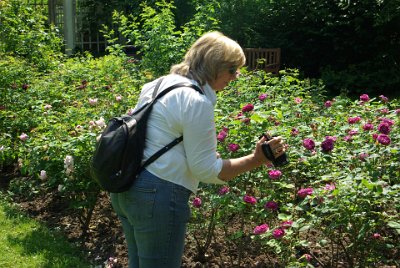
{"x":168,"y":89}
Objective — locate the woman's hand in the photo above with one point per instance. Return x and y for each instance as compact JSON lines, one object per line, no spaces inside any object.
{"x":278,"y":148}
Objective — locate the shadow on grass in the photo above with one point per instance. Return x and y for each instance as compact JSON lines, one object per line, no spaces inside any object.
{"x":36,"y":240}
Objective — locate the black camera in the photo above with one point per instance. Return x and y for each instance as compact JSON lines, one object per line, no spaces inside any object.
{"x":279,"y":161}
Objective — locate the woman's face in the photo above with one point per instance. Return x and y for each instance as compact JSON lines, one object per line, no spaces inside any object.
{"x":223,"y":79}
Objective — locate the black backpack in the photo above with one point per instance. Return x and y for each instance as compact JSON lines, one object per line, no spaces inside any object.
{"x":117,"y":160}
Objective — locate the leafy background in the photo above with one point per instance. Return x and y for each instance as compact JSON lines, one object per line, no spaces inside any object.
{"x":53,"y":108}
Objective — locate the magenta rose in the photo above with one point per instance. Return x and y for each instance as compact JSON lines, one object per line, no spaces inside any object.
{"x":221,"y":136}
{"x":233,"y":147}
{"x":363,"y":156}
{"x":327,"y":145}
{"x":383,"y":139}
{"x":224,"y":190}
{"x":387,"y":121}
{"x":278,"y":233}
{"x":248,"y":107}
{"x":271,"y":205}
{"x":368,"y":126}
{"x":333,"y":138}
{"x":384,"y":128}
{"x":384,"y":111}
{"x":294,"y":132}
{"x":197,"y":202}
{"x":364,"y":97}
{"x":260,"y":229}
{"x":309,"y":144}
{"x":328,"y":104}
{"x":353,"y":120}
{"x":303,"y":192}
{"x":250,"y":199}
{"x":307,"y":257}
{"x":274,"y":174}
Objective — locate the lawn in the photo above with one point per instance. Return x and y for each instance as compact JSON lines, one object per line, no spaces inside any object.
{"x":25,"y":242}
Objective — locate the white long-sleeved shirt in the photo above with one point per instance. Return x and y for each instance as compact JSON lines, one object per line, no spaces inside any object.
{"x":183,"y":111}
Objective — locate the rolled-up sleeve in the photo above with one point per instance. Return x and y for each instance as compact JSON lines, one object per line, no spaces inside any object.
{"x":199,"y":140}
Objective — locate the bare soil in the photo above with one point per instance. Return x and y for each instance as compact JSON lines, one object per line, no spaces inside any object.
{"x":105,"y":238}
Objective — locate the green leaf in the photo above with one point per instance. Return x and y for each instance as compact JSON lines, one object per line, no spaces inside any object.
{"x":394,"y":225}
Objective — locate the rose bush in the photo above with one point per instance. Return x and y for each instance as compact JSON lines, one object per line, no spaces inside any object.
{"x":341,"y":186}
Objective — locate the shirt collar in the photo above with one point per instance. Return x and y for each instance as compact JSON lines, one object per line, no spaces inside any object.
{"x":210,"y":93}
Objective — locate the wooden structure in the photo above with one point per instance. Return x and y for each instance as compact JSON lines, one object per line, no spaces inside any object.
{"x":268,"y":59}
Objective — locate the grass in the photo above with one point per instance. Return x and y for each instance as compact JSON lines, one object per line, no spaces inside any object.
{"x":25,"y":242}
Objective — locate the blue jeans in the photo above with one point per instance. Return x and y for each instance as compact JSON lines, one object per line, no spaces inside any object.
{"x":154,"y":214}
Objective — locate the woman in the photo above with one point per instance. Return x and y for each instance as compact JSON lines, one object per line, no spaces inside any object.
{"x":154,"y":211}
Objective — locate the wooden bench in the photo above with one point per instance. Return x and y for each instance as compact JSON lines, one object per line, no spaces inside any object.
{"x":268,"y":59}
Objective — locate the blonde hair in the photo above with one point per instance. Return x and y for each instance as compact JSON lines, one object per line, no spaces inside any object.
{"x":211,"y":54}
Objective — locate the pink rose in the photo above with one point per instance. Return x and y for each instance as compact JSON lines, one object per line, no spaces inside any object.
{"x":92,"y":101}
{"x":286,"y":224}
{"x":262,"y":97}
{"x":298,"y":100}
{"x":363,"y":156}
{"x":330,"y":187}
{"x":23,"y":137}
{"x":383,"y":98}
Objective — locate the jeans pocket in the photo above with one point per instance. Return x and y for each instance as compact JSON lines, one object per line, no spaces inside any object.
{"x":140,"y":202}
{"x":181,"y":203}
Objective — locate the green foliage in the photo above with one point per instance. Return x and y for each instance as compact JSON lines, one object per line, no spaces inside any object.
{"x":353,"y":44}
{"x":24,"y":33}
{"x":160,"y":44}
